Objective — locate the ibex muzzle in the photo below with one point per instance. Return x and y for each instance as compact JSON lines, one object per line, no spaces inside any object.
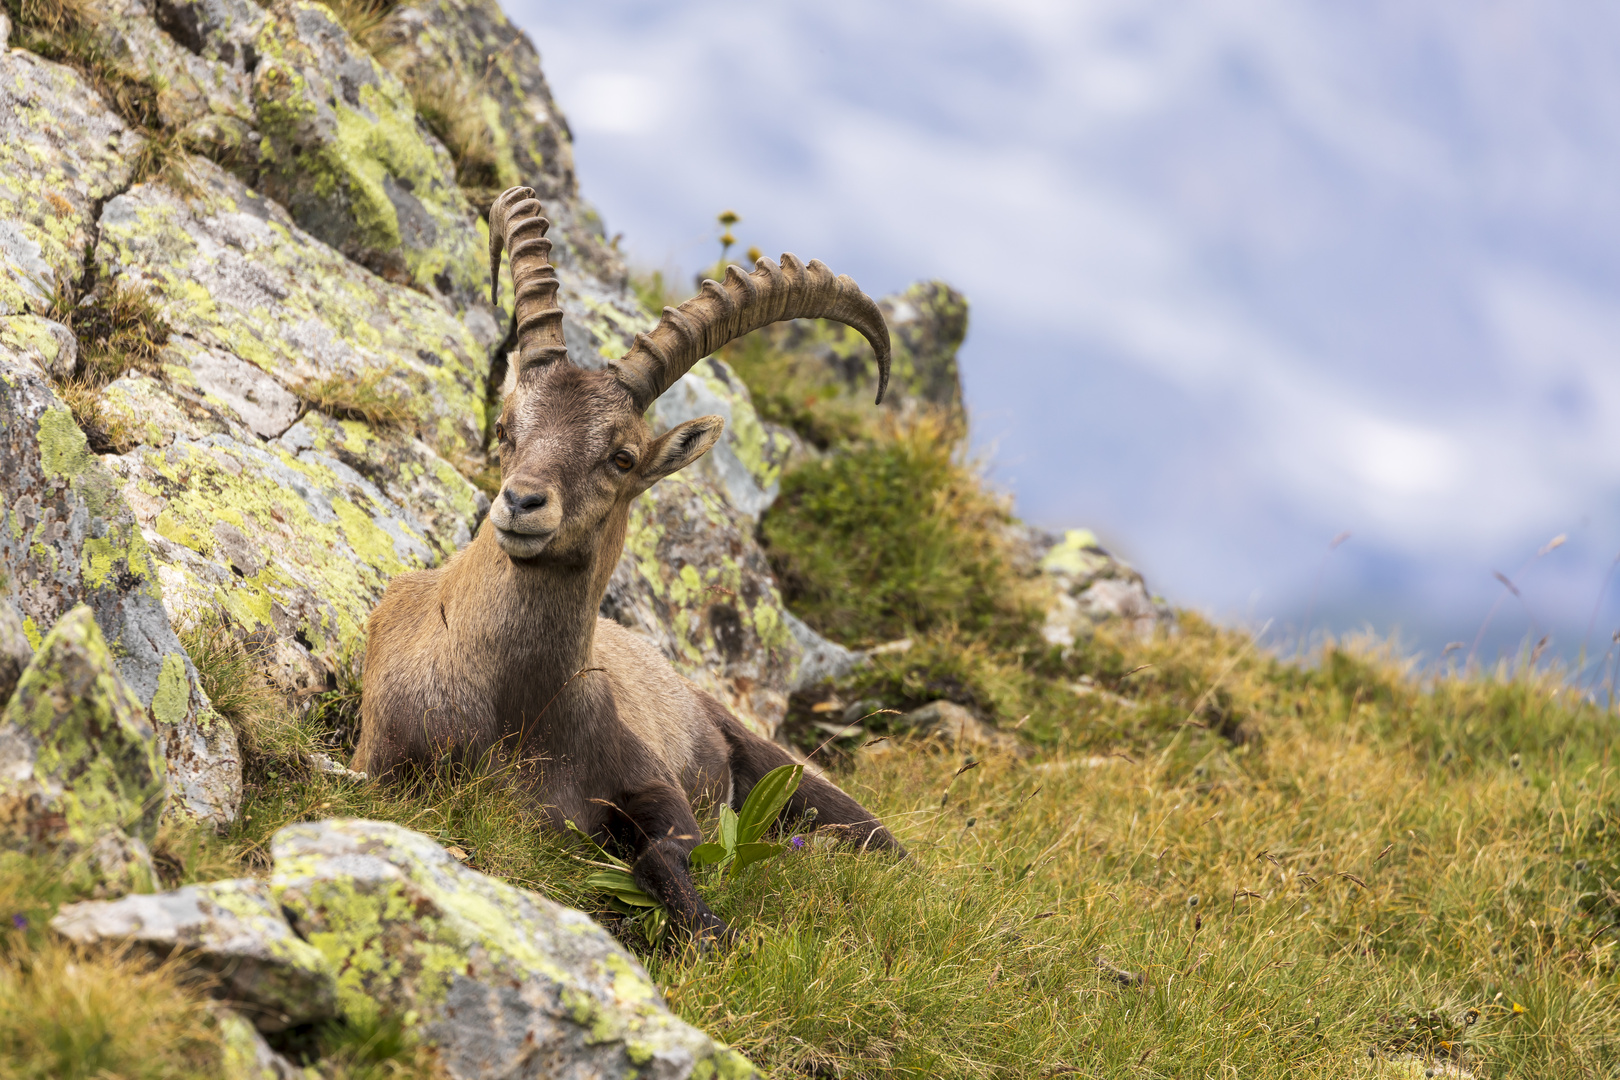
{"x":501,"y":652}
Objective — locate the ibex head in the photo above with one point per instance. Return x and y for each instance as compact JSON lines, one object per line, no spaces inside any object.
{"x":574,"y":447}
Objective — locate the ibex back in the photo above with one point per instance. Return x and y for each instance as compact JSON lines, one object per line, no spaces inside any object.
{"x":500,"y":653}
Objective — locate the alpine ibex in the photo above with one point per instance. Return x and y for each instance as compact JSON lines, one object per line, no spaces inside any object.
{"x":502,"y":652}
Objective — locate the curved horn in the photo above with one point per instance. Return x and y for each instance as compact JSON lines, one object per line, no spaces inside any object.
{"x":745,"y":302}
{"x":515,"y":222}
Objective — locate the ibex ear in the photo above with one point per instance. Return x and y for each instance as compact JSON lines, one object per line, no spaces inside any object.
{"x":681,"y":445}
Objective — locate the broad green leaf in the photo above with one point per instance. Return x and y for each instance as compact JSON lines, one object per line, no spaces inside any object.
{"x":728,"y":828}
{"x":748,"y":854}
{"x":621,"y":885}
{"x":766,"y":801}
{"x":704,"y":854}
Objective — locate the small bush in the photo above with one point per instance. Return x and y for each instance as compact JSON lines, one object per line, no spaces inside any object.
{"x":895,"y":538}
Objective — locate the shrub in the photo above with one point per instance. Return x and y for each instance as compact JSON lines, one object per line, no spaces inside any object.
{"x":895,"y":537}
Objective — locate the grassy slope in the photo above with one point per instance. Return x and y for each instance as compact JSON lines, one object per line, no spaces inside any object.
{"x":1358,"y":861}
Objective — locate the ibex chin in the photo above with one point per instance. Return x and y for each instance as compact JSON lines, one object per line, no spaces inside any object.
{"x":501,"y":651}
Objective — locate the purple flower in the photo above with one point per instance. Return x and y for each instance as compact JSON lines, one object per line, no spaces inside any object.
{"x":797,"y":843}
{"x":20,"y":922}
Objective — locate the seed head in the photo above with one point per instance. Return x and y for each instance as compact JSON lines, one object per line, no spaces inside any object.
{"x":1192,"y":901}
{"x":728,"y":218}
{"x":1514,"y":761}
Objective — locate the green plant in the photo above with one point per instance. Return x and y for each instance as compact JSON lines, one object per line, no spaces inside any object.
{"x":273,"y":739}
{"x":367,"y":398}
{"x":739,"y":843}
{"x":615,"y":877}
{"x":895,"y":537}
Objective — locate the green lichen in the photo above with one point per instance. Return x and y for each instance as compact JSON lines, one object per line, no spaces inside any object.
{"x":172,"y":701}
{"x":63,"y":450}
{"x":97,"y":764}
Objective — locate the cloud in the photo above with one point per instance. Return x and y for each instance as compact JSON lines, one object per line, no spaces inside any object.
{"x":1349,"y":266}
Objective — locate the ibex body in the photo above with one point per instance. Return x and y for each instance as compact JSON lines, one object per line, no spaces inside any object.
{"x":501,"y":651}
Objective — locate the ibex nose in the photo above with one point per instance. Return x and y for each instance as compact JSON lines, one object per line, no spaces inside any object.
{"x":523,"y":503}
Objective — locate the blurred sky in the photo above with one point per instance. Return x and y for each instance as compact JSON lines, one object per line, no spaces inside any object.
{"x":1244,"y":274}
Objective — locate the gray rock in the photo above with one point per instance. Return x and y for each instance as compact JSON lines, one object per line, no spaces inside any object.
{"x":503,"y":982}
{"x":67,"y":537}
{"x":246,"y":1056}
{"x":266,"y":406}
{"x":49,"y":345}
{"x":15,"y":651}
{"x":62,"y":152}
{"x":341,"y":149}
{"x":234,"y":929}
{"x":958,"y":727}
{"x":1089,"y":587}
{"x":821,"y":659}
{"x":81,"y":772}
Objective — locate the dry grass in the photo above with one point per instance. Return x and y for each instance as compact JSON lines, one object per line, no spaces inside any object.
{"x":367,"y":398}
{"x":453,"y":111}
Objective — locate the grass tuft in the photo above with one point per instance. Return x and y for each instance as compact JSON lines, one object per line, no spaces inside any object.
{"x":453,"y":111}
{"x":367,"y":398}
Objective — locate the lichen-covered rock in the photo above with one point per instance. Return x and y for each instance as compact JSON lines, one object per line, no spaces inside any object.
{"x":286,"y":537}
{"x":204,"y":52}
{"x":341,"y":148}
{"x":234,"y":929}
{"x":1090,"y":586}
{"x":505,"y":983}
{"x":229,"y":269}
{"x":747,"y":463}
{"x":62,"y":152}
{"x":695,"y":581}
{"x":244,"y":1055}
{"x":81,"y":772}
{"x":469,"y":58}
{"x":49,"y":345}
{"x":15,"y":651}
{"x":68,"y":537}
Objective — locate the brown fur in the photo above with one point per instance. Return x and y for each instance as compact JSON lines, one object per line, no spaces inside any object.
{"x":501,"y":651}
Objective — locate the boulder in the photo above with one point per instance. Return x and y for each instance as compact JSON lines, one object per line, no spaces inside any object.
{"x":956,"y":726}
{"x":81,"y":772}
{"x":68,"y":537}
{"x":62,"y":153}
{"x":1089,"y":587}
{"x":233,"y":929}
{"x":244,"y":1055}
{"x":305,"y":114}
{"x":503,"y":982}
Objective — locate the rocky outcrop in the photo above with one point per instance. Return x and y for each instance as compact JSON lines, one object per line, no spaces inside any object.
{"x":366,"y":920}
{"x":502,"y":981}
{"x":81,"y":773}
{"x":68,"y":537}
{"x":233,"y":929}
{"x":1089,"y":587}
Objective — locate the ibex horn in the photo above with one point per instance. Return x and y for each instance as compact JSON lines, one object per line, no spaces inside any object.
{"x":745,"y":302}
{"x":515,"y":221}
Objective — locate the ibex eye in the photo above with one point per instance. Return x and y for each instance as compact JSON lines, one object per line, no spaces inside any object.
{"x":500,"y":432}
{"x":625,"y":460}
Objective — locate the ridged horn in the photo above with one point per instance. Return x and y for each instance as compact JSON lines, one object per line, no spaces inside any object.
{"x":723,"y":312}
{"x":515,"y":222}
